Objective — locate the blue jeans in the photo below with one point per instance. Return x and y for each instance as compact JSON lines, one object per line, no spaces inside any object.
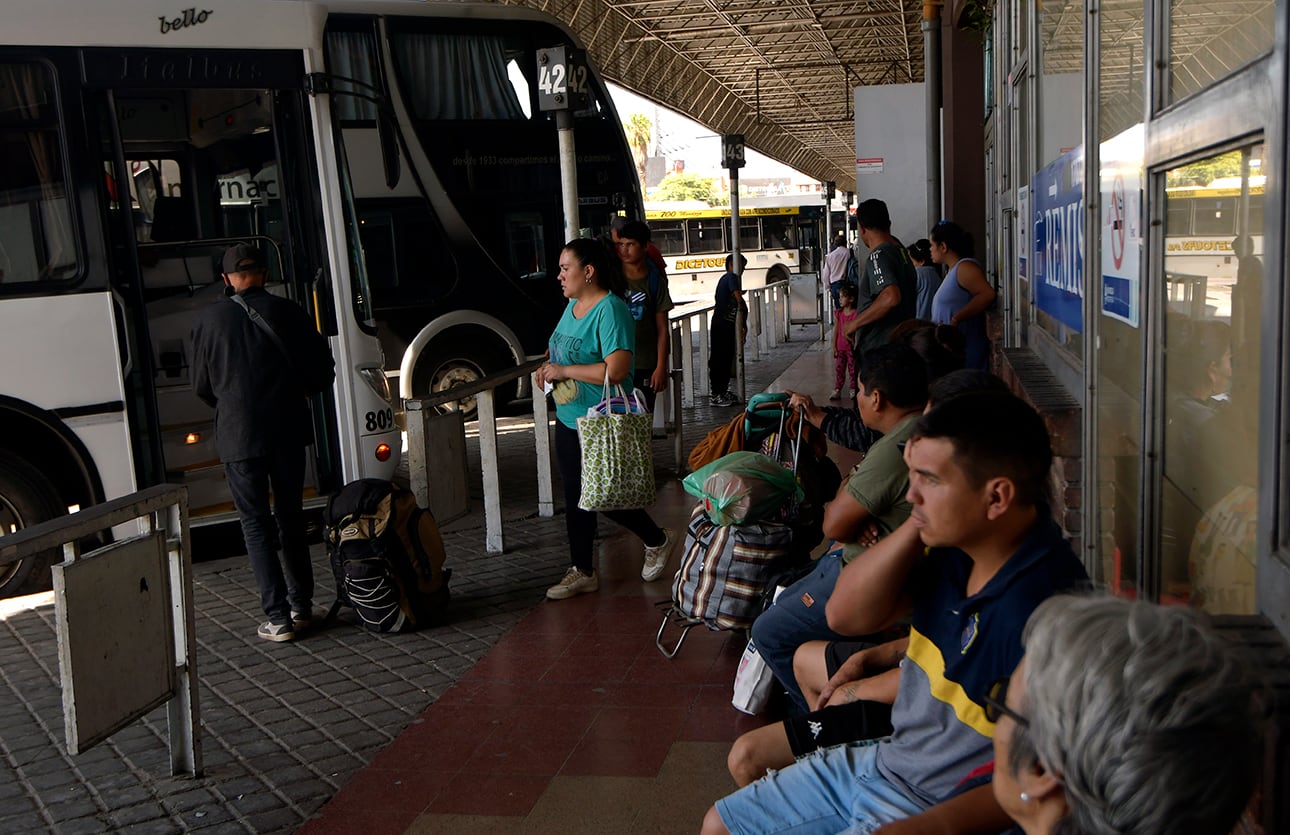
{"x":796,"y":617}
{"x":286,"y":585}
{"x":830,"y":791}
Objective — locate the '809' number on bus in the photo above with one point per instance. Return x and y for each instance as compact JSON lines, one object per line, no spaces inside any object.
{"x":379,"y":420}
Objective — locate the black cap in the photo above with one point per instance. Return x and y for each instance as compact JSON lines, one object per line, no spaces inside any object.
{"x":241,"y":258}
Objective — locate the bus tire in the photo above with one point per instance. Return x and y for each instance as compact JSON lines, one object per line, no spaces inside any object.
{"x":26,"y":497}
{"x":446,"y":366}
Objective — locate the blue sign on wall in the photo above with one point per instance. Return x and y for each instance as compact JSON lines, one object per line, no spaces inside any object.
{"x":1057,"y":261}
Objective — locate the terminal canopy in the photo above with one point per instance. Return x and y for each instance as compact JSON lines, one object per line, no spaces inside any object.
{"x":780,"y":72}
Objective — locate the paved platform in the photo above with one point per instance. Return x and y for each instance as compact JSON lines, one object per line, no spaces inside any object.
{"x":519,"y":716}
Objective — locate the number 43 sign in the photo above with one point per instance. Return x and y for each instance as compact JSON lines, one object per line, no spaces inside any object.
{"x":562,"y":78}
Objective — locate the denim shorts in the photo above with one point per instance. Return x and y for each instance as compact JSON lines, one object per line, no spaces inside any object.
{"x":830,"y":791}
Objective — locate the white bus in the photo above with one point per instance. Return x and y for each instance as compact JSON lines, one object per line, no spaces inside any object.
{"x":138,"y":141}
{"x":696,"y":242}
{"x":1204,"y":245}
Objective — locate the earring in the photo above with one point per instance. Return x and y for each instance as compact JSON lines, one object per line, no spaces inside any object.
{"x":1025,"y":798}
{"x":587,"y":280}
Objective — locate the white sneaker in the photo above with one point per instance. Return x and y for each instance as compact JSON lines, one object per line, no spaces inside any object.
{"x":835,"y":394}
{"x":656,"y":558}
{"x":573,"y":583}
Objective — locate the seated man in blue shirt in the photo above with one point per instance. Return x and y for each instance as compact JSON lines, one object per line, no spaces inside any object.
{"x":978,"y":554}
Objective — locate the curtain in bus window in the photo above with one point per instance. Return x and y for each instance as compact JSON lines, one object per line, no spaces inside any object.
{"x":456,"y":76}
{"x":35,"y":228}
{"x":352,"y":55}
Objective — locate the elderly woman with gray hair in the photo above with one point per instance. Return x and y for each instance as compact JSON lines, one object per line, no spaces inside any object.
{"x":1124,"y":717}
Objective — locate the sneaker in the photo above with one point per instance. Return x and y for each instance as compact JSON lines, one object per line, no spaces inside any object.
{"x":302,"y":620}
{"x":574,"y":583}
{"x":836,"y":394}
{"x":656,"y":557}
{"x":723,"y":399}
{"x":271,"y":631}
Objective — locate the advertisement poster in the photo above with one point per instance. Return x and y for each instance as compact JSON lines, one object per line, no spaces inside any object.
{"x":1057,"y":253}
{"x":1121,"y":187}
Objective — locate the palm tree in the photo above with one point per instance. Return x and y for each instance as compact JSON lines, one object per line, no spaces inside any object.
{"x":639,"y":131}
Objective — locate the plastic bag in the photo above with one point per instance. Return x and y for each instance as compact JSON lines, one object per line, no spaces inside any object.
{"x":754,"y":682}
{"x":742,"y":487}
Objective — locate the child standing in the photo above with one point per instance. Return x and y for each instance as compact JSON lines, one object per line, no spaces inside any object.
{"x":844,"y":359}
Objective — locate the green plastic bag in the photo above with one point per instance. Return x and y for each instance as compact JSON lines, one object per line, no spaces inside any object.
{"x":743,"y":487}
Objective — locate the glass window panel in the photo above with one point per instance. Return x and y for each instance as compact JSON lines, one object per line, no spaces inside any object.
{"x":1120,"y":70}
{"x":1061,"y":85}
{"x":780,"y":232}
{"x":36,"y":238}
{"x":707,"y":235}
{"x":1208,"y":39}
{"x":352,"y":55}
{"x":668,"y":236}
{"x":1121,"y":371}
{"x":1211,"y":368}
{"x":749,"y":234}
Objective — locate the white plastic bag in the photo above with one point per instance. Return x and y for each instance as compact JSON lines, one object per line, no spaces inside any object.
{"x":753,"y":682}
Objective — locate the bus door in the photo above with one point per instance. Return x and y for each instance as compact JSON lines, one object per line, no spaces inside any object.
{"x":200,"y":150}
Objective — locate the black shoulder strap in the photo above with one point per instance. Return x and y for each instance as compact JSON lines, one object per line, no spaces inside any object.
{"x":260,"y":323}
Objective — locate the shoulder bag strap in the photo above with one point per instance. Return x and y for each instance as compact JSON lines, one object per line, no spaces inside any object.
{"x":260,"y":323}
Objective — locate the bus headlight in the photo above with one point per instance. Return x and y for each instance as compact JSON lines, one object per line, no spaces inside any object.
{"x":375,"y":377}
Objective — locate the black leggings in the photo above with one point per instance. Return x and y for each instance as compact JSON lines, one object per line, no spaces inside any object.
{"x":581,"y":524}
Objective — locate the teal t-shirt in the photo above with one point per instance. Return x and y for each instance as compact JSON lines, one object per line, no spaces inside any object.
{"x":606,"y":328}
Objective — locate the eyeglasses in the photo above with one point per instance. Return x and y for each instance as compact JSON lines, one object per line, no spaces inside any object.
{"x":996,"y":698}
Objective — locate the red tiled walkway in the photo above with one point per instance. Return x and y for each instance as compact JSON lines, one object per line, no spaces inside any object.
{"x":574,"y":722}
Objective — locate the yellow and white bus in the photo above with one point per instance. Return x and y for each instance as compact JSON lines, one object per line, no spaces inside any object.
{"x":696,"y":242}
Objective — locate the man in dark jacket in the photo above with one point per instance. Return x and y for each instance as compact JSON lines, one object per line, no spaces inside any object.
{"x":259,"y":387}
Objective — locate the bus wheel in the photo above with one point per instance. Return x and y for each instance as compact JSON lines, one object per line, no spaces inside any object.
{"x":445,"y":369}
{"x":26,"y":497}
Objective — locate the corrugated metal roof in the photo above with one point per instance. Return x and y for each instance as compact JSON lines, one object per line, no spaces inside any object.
{"x":778,"y":71}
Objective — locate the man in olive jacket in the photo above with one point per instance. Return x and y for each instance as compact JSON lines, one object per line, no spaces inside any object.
{"x":259,"y":387}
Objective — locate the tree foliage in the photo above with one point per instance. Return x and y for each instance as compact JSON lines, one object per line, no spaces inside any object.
{"x":1206,"y":171}
{"x":684,"y":186}
{"x":640,"y":131}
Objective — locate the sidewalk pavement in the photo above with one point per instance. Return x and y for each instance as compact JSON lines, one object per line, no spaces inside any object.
{"x":285,"y":726}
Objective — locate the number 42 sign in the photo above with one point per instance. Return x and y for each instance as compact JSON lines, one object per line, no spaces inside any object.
{"x":562,"y":78}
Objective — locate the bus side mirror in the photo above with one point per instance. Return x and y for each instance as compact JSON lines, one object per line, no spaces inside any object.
{"x":388,"y":137}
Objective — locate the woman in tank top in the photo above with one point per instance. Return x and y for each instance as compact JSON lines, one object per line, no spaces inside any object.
{"x":965,"y":294}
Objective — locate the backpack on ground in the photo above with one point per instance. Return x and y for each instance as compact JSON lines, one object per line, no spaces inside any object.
{"x":386,"y":556}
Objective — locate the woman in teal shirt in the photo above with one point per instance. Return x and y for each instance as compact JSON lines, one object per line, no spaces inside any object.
{"x":596,"y":335}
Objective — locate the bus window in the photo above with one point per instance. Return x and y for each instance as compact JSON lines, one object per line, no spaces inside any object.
{"x":470,"y":73}
{"x":1215,"y":216}
{"x":778,"y":232}
{"x":668,"y":236}
{"x":1178,"y":215}
{"x":353,"y":55}
{"x":523,"y":91}
{"x":749,"y":234}
{"x":36,"y":239}
{"x":380,"y":251}
{"x":526,"y":245}
{"x":706,"y":235}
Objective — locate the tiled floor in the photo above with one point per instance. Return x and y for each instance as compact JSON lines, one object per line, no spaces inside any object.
{"x":574,"y":722}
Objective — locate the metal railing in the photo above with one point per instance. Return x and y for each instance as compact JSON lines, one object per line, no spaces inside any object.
{"x":125,"y":645}
{"x":436,"y":438}
{"x":768,"y":325}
